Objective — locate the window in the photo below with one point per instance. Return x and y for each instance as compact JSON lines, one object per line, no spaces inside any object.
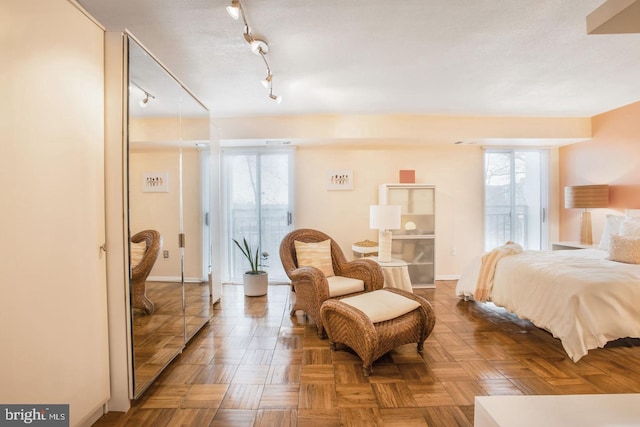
{"x":258,"y":205}
{"x":515,"y":187}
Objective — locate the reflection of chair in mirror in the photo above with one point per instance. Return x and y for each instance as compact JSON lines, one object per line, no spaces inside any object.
{"x":145,"y":247}
{"x":319,"y":270}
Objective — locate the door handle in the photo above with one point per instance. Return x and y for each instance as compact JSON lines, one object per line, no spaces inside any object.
{"x":289,"y":218}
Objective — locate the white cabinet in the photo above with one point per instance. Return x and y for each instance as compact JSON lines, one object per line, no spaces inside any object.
{"x":415,"y":241}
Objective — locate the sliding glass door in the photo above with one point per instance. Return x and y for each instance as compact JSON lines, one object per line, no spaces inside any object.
{"x":516,"y":197}
{"x":258,"y":205}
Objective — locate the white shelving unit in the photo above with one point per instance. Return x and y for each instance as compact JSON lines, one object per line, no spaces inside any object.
{"x":415,"y":242}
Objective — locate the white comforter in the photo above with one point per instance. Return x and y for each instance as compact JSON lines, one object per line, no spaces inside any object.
{"x":579,"y":296}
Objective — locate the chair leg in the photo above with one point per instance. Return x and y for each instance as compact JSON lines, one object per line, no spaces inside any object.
{"x":139,"y":296}
{"x":143,"y":303}
{"x":366,"y":370}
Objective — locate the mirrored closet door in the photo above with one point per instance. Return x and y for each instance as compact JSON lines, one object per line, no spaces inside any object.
{"x":168,"y":209}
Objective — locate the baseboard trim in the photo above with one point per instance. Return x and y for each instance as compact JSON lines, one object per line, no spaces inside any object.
{"x":448,"y":277}
{"x":175,"y":279}
{"x":94,"y":416}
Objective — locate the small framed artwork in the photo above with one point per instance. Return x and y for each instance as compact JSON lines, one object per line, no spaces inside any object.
{"x":339,"y":179}
{"x":155,"y":182}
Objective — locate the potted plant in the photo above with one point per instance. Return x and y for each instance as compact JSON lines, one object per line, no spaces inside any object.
{"x":255,"y":281}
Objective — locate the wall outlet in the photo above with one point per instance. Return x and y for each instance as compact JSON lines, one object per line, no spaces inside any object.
{"x":165,"y":254}
{"x":452,"y":251}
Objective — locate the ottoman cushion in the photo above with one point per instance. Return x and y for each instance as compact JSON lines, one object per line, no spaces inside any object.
{"x":381,"y":305}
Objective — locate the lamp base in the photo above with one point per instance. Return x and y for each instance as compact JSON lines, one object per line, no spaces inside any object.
{"x":384,"y":246}
{"x":585,"y":228}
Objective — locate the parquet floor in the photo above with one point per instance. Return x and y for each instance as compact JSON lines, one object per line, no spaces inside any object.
{"x":255,"y":366}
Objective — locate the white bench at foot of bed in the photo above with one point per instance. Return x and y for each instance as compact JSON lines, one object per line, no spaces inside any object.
{"x":583,"y":410}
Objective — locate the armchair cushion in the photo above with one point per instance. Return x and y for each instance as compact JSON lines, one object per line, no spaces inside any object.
{"x":340,"y":285}
{"x":315,"y":254}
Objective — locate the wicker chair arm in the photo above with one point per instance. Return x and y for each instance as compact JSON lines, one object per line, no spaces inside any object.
{"x":153,"y":241}
{"x":364,"y":269}
{"x":311,"y":276}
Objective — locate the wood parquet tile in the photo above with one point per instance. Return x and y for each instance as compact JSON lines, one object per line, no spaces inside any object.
{"x":253,"y":365}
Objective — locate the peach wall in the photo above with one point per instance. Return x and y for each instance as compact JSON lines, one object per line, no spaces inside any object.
{"x":611,"y":157}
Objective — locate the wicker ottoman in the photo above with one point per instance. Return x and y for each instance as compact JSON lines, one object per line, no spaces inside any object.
{"x":374,"y":323}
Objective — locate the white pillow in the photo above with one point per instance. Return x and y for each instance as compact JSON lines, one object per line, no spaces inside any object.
{"x":137,"y":252}
{"x":631,"y":213}
{"x":630,"y":227}
{"x":315,"y":254}
{"x":611,"y":226}
{"x":625,"y":249}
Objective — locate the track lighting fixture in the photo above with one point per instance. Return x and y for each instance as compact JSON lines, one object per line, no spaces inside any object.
{"x":259,"y":47}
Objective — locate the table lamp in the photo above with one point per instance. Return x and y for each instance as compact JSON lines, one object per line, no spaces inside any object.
{"x":384,"y":218}
{"x":586,"y":197}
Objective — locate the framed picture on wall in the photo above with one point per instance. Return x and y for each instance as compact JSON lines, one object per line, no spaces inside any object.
{"x":155,"y":182}
{"x":339,"y":179}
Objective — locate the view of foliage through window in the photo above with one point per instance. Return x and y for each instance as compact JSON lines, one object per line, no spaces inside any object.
{"x":514,"y":197}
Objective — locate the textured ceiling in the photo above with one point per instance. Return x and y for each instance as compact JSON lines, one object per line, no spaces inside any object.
{"x":444,"y":57}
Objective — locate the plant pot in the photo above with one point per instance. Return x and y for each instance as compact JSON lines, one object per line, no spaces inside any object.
{"x":255,"y":285}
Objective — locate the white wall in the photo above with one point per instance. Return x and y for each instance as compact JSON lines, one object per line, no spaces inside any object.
{"x":53,"y":304}
{"x":376,"y":147}
{"x":160,"y":211}
{"x":455,"y":170}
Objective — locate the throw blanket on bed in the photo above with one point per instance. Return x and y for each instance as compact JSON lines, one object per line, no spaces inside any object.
{"x":488,"y":269}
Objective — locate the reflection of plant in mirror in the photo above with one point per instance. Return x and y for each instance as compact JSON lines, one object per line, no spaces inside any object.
{"x":254,"y":260}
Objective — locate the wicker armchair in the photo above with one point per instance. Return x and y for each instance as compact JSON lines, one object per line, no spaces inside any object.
{"x":310,"y":285}
{"x":140,"y":272}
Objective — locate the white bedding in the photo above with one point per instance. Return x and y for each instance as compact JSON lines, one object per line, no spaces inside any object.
{"x":579,"y":296}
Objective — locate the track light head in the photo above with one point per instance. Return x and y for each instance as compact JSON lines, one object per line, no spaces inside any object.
{"x":234,"y":9}
{"x":145,"y":101}
{"x":247,"y":35}
{"x":267,"y":80}
{"x":276,"y":98}
{"x":259,"y":47}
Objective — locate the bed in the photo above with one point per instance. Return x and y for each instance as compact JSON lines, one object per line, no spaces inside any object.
{"x":580,"y":296}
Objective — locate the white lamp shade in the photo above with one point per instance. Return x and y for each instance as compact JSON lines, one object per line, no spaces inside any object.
{"x":384,"y":217}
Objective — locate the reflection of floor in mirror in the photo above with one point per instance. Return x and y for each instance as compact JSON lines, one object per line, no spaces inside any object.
{"x":158,"y":337}
{"x":197,"y":299}
{"x":253,"y":365}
